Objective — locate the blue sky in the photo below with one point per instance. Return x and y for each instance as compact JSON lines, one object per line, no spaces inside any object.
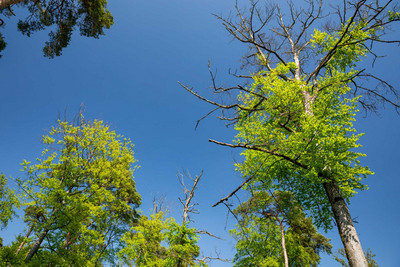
{"x":129,"y":78}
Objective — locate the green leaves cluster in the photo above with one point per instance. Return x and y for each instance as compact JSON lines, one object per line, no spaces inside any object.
{"x":348,"y":43}
{"x":9,"y":202}
{"x":157,"y":241}
{"x":79,"y":196}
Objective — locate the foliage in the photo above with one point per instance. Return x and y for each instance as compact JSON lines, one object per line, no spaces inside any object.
{"x":182,"y":245}
{"x":8,"y":257}
{"x":157,"y":241}
{"x":258,"y":232}
{"x":8,"y":202}
{"x":319,"y":145}
{"x":80,"y":194}
{"x":62,"y":17}
{"x":341,"y":258}
{"x":143,"y":242}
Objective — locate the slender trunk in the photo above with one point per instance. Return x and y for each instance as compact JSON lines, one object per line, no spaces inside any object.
{"x":23,"y":241}
{"x":37,"y":245}
{"x":7,"y":3}
{"x":347,"y":231}
{"x":284,"y":245}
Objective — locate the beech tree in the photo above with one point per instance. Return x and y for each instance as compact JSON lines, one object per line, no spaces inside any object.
{"x":272,"y":230}
{"x":295,"y":111}
{"x":79,"y":197}
{"x":62,"y":17}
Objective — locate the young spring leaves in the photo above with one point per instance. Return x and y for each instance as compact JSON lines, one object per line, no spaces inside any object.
{"x":298,"y":149}
{"x":80,"y":196}
{"x":157,"y":241}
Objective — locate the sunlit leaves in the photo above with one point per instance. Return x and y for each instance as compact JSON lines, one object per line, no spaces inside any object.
{"x":157,"y":241}
{"x":303,"y":147}
{"x":82,"y":191}
{"x":8,"y":202}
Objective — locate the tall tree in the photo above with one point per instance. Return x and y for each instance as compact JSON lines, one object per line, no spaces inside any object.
{"x":79,"y":197}
{"x":273,"y":230}
{"x":62,"y":17}
{"x":295,"y":118}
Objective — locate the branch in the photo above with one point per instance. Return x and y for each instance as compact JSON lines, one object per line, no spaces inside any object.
{"x":243,"y":184}
{"x":203,"y":232}
{"x":215,"y":103}
{"x":187,"y":208}
{"x":273,"y":153}
{"x":331,"y":52}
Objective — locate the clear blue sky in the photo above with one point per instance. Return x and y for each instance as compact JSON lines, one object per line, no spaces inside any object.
{"x":129,"y":79}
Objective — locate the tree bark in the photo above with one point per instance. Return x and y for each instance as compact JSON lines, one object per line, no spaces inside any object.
{"x":36,"y":245}
{"x":347,"y":231}
{"x":23,"y":241}
{"x":284,"y":245}
{"x":7,"y":3}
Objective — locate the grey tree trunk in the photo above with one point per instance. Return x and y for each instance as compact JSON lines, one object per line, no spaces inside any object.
{"x":36,"y":245}
{"x":347,"y":231}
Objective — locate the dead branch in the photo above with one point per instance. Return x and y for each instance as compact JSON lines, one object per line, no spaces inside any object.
{"x":203,"y":232}
{"x":189,"y":194}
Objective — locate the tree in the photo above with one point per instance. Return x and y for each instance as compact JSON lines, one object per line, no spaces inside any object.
{"x":294,"y":120}
{"x":273,"y":230}
{"x":79,"y":197}
{"x":143,"y":243}
{"x":91,"y":17}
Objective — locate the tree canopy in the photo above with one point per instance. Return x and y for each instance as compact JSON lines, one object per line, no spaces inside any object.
{"x":79,"y":197}
{"x":62,"y":18}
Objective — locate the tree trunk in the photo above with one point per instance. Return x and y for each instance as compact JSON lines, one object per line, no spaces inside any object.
{"x":7,"y":3}
{"x":284,"y":245}
{"x":36,"y":245}
{"x":347,"y":231}
{"x":23,"y":241}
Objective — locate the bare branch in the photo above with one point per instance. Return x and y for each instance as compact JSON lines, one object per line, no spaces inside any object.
{"x":203,"y":232}
{"x":271,"y":152}
{"x":189,"y":194}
